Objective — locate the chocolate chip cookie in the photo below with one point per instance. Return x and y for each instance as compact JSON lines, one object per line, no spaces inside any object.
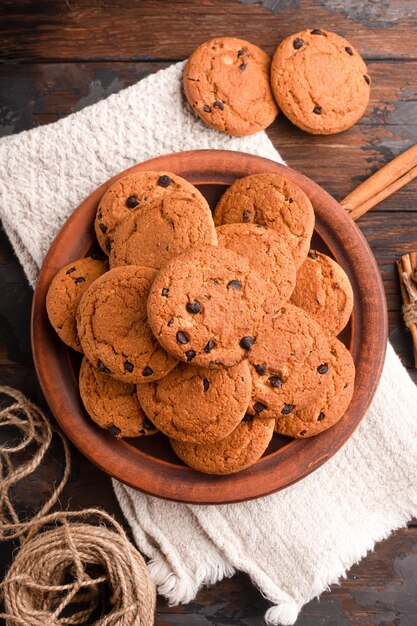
{"x":242,"y":448}
{"x":198,"y":404}
{"x":330,"y":403}
{"x":64,"y":295}
{"x":226,"y":81}
{"x":267,"y":251}
{"x":205,"y":306}
{"x":132,"y":193}
{"x":113,"y":327}
{"x":323,"y":290}
{"x":112,"y":404}
{"x":274,"y":202}
{"x":320,"y":82}
{"x":167,"y":227}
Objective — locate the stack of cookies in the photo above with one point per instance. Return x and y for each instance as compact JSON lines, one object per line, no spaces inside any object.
{"x":216,"y":330}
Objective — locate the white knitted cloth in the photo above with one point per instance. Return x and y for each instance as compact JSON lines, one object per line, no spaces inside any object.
{"x":294,"y":543}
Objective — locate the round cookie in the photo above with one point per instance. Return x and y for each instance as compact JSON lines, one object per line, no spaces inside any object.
{"x":267,"y":251}
{"x":112,"y":404}
{"x":205,"y":306}
{"x":226,"y":81}
{"x":198,"y":404}
{"x":274,"y":202}
{"x":64,"y":295}
{"x":327,"y":407}
{"x":167,"y":227}
{"x":290,"y":362}
{"x":323,"y":290}
{"x":132,"y":193}
{"x":113,"y":327}
{"x":242,"y":448}
{"x":319,"y":81}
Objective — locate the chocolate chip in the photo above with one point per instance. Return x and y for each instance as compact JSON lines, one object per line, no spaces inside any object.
{"x":193,"y":307}
{"x":165,"y":292}
{"x":108,"y":245}
{"x":206,"y":384}
{"x":80,"y":279}
{"x":247,"y":417}
{"x":275,"y":381}
{"x":312,"y":255}
{"x":213,"y":363}
{"x":209,"y":346}
{"x":349,"y":50}
{"x":298,"y":43}
{"x":317,"y":110}
{"x":234,"y":284}
{"x":287,"y":408}
{"x":261,"y":369}
{"x":190,"y":354}
{"x":317,"y":31}
{"x":206,"y":108}
{"x":321,"y":417}
{"x":367,"y":78}
{"x":219,"y":105}
{"x":132,"y":201}
{"x":170,"y":322}
{"x":103,"y":228}
{"x":147,"y":424}
{"x":246,"y":215}
{"x":103,"y":368}
{"x":323,"y":369}
{"x":242,"y":66}
{"x":71,"y":270}
{"x":246,"y":343}
{"x":164,"y":181}
{"x":182,"y":337}
{"x":303,"y":432}
{"x":258,"y":407}
{"x":241,"y":53}
{"x":147,"y":371}
{"x":128,"y":366}
{"x":114,"y":430}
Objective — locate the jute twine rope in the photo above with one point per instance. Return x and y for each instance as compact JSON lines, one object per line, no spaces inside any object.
{"x":410,"y":308}
{"x":67,"y":571}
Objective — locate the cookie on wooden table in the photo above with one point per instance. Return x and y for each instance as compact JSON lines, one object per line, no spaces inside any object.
{"x":165,"y":228}
{"x":324,"y":290}
{"x":326,"y":409}
{"x":320,"y":82}
{"x":132,"y":193}
{"x":267,"y":251}
{"x":112,"y":404}
{"x":274,"y":202}
{"x":113,"y":327}
{"x":239,"y":450}
{"x":64,"y":295}
{"x":205,"y":306}
{"x":198,"y":404}
{"x":226,"y":81}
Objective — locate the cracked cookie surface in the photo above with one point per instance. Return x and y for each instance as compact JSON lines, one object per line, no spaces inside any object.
{"x":64,"y":295}
{"x":198,"y":404}
{"x":165,"y":228}
{"x":320,"y":81}
{"x":272,"y":201}
{"x":242,"y":448}
{"x":324,"y":290}
{"x":112,"y":404}
{"x":114,"y":330}
{"x":226,"y":82}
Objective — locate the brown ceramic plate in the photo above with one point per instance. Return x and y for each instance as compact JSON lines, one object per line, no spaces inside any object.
{"x":148,"y":463}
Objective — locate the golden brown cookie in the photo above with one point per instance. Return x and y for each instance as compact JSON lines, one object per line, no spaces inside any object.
{"x":226,"y":81}
{"x":319,"y":81}
{"x":267,"y":251}
{"x":112,"y":404}
{"x":64,"y":295}
{"x":329,"y":405}
{"x":274,"y":202}
{"x":165,"y":228}
{"x":198,"y":404}
{"x":323,"y":290}
{"x":132,"y":193}
{"x":205,"y":306}
{"x":290,"y":362}
{"x":242,"y":448}
{"x":113,"y":327}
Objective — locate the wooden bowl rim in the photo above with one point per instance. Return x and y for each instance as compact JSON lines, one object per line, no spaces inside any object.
{"x":290,"y":463}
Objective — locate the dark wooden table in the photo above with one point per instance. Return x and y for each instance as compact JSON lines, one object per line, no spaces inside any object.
{"x":60,"y":55}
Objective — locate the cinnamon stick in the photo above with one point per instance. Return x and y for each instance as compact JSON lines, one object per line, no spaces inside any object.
{"x":407,"y":270}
